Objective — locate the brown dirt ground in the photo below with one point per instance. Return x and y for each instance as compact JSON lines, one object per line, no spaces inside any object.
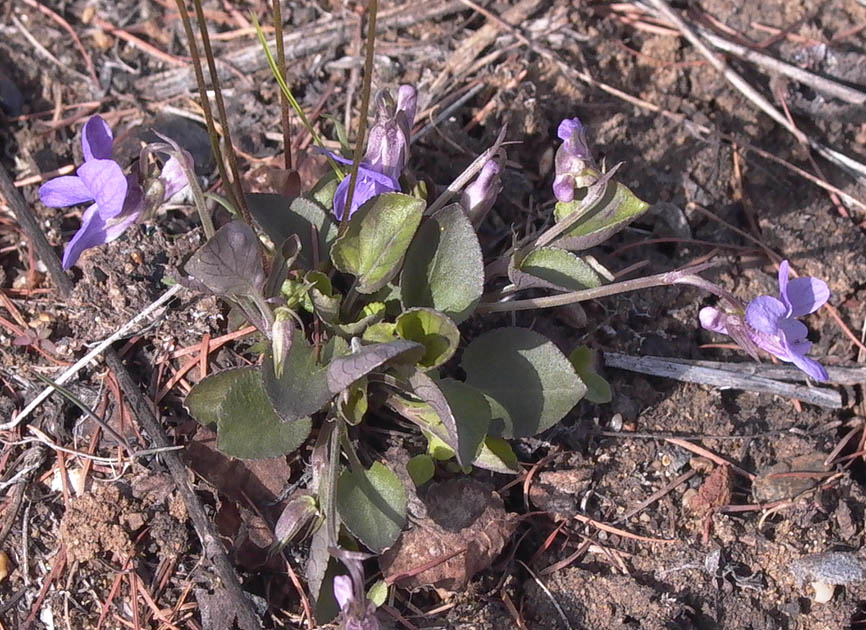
{"x":718,"y":569}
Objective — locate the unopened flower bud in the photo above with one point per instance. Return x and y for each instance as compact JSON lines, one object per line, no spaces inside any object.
{"x":282,"y":333}
{"x":299,"y":518}
{"x":479,"y":196}
{"x":574,"y":166}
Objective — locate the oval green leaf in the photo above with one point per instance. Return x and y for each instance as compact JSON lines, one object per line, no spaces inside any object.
{"x":527,"y":375}
{"x":372,"y":505}
{"x":247,"y":426}
{"x":444,"y":268}
{"x":554,"y":268}
{"x":376,"y":239}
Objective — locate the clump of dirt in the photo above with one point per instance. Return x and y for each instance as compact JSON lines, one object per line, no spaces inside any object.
{"x":98,"y":522}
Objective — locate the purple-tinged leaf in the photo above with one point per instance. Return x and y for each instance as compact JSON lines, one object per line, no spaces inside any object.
{"x":229,"y":263}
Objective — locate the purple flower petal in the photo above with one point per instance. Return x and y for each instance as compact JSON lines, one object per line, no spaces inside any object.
{"x":343,"y":591}
{"x":61,"y":192}
{"x":805,"y":295}
{"x":90,"y":234}
{"x":563,"y":187}
{"x":793,"y":331}
{"x":174,"y":177}
{"x":107,"y":183}
{"x":764,"y":314}
{"x":713,"y":319}
{"x":810,"y":367}
{"x":369,"y":184}
{"x":96,"y":139}
{"x":407,"y":97}
{"x":567,"y":127}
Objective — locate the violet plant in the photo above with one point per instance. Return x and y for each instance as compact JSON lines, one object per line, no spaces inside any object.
{"x":360,"y":308}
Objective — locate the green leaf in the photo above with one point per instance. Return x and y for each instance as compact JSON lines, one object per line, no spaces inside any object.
{"x":437,"y":448}
{"x":353,"y":402}
{"x":378,"y":593}
{"x":345,"y":370}
{"x":325,"y":303}
{"x":280,"y":217}
{"x":527,"y":375}
{"x":372,"y":505}
{"x":376,"y":239}
{"x":372,"y":313}
{"x":597,"y":389}
{"x":444,"y":269}
{"x":421,"y":469}
{"x":496,"y":455}
{"x":617,"y":207}
{"x":247,"y":427}
{"x":553,"y":268}
{"x":472,"y":413}
{"x":433,"y":330}
{"x":302,"y":388}
{"x":382,"y":332}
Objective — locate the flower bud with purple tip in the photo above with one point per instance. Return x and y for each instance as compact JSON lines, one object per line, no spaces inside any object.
{"x":479,"y":196}
{"x":572,"y":160}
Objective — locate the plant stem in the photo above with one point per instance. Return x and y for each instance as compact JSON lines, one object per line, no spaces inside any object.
{"x":205,"y":101}
{"x":662,"y":279}
{"x":284,"y":103}
{"x":237,"y":193}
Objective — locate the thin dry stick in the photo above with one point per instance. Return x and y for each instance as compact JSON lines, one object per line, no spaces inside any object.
{"x":547,"y":592}
{"x":819,"y":83}
{"x":700,"y":450}
{"x":610,"y":529}
{"x":723,"y":379}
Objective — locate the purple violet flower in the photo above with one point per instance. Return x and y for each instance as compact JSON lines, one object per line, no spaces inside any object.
{"x":572,"y":159}
{"x":386,"y":155}
{"x":118,"y":199}
{"x":770,"y":322}
{"x":357,"y":611}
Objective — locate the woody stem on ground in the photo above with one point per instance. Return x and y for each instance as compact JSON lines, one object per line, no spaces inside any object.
{"x":211,"y":545}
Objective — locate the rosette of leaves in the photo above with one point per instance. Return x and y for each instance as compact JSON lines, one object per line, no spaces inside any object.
{"x":364,"y":318}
